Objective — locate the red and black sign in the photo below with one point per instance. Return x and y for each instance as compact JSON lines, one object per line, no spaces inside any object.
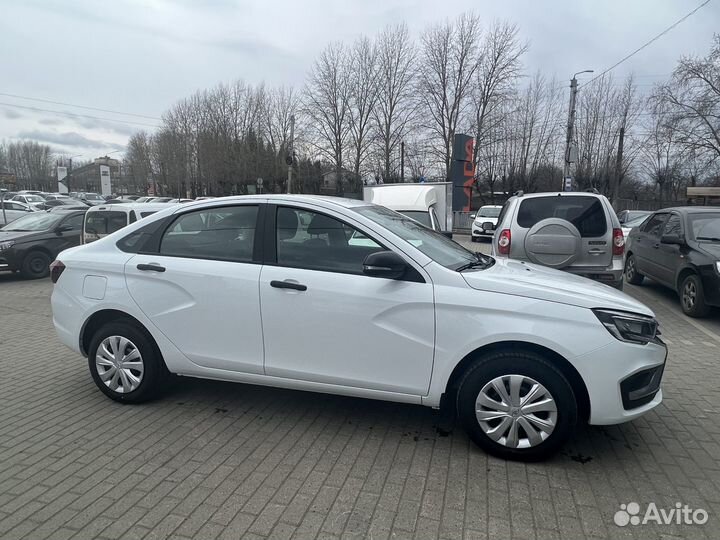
{"x":462,"y":172}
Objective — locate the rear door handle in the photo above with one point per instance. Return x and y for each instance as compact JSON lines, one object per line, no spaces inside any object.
{"x":151,"y":267}
{"x":288,"y":285}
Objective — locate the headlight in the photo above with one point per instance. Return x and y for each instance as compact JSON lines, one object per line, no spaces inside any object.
{"x":6,"y":245}
{"x":628,"y":327}
{"x":717,"y":265}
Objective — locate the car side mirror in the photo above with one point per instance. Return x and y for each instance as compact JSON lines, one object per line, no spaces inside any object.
{"x":472,"y":216}
{"x":384,"y":264}
{"x":64,"y":228}
{"x":672,"y":239}
{"x":488,"y":226}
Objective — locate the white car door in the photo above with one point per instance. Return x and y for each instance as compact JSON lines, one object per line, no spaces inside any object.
{"x":325,"y":321}
{"x":200,"y":288}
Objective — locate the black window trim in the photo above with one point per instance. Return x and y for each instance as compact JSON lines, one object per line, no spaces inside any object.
{"x":270,"y":243}
{"x":151,"y":246}
{"x":682,"y":223}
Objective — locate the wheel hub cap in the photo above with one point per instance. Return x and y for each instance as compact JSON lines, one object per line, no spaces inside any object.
{"x":516,"y":411}
{"x":119,"y":364}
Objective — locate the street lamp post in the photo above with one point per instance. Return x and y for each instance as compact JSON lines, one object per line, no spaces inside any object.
{"x":569,"y":158}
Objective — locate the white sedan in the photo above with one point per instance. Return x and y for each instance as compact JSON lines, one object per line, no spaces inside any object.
{"x":345,"y":297}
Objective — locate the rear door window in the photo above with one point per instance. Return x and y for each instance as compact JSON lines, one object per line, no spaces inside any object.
{"x":585,"y":213}
{"x":224,"y":234}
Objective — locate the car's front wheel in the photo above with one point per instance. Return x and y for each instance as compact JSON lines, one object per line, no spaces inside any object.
{"x":517,"y":405}
{"x":125,"y":364}
{"x":35,"y":265}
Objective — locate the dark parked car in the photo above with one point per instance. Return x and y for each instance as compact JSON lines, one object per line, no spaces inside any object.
{"x":29,"y":244}
{"x":629,"y":215}
{"x":680,"y":248}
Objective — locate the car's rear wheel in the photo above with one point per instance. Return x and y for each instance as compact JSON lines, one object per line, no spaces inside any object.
{"x":125,"y":364}
{"x":692,"y":297}
{"x":35,"y":265}
{"x":517,"y":405}
{"x":631,"y":272}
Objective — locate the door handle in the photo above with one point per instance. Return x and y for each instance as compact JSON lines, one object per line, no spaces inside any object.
{"x":656,"y":245}
{"x":288,"y":285}
{"x":151,"y":267}
{"x":596,"y":251}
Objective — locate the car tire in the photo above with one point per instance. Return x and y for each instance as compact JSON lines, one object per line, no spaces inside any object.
{"x":692,"y":297}
{"x":35,"y":265}
{"x":540,"y":431}
{"x":632,"y":275}
{"x":143,"y":374}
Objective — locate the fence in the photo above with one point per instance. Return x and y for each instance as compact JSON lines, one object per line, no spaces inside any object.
{"x":462,"y":221}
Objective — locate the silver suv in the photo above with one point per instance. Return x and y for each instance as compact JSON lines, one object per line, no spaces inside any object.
{"x":575,"y":231}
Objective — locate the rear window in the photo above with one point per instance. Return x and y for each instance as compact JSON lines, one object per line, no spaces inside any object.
{"x":586,"y":213}
{"x":105,"y":222}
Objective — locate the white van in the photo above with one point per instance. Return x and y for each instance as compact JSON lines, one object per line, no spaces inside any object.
{"x":105,"y":219}
{"x":429,"y":203}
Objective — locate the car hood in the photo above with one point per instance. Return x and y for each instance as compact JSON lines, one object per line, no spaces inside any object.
{"x":713,"y":250}
{"x":20,"y":236}
{"x":519,"y":278}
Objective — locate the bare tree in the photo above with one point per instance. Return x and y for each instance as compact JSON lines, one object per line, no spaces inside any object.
{"x":497,"y":74}
{"x":694,"y":96}
{"x":396,"y":106}
{"x":327,"y":107}
{"x":362,"y":97}
{"x":448,"y":63}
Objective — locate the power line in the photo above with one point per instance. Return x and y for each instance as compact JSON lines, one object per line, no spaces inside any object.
{"x":76,"y":115}
{"x":706,"y":2}
{"x":78,"y":106}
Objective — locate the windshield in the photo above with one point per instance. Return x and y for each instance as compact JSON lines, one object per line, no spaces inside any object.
{"x":489,"y":212}
{"x":433,"y":244}
{"x":93,"y":197}
{"x":33,"y":198}
{"x":39,"y":221}
{"x":705,"y":227}
{"x":419,"y":216}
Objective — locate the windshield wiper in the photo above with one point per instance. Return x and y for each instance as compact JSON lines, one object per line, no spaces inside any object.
{"x":481,"y":262}
{"x":711,"y":238}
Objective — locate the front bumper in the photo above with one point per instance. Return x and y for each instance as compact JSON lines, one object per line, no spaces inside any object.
{"x":8,"y":260}
{"x":623,"y":380}
{"x":479,"y":231}
{"x":711,"y":285}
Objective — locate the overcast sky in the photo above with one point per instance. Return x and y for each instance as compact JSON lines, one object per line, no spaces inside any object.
{"x":140,"y":56}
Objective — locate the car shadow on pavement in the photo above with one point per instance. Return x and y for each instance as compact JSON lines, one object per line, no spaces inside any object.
{"x":592,"y":447}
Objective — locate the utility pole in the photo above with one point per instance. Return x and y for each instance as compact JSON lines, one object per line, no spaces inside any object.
{"x":291,"y":157}
{"x":402,"y":161}
{"x":570,"y":157}
{"x":618,"y":168}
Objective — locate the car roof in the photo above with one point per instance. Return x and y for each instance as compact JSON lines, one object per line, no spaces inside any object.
{"x":559,"y":194}
{"x":690,"y":209}
{"x":338,"y":201}
{"x":131,"y":206}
